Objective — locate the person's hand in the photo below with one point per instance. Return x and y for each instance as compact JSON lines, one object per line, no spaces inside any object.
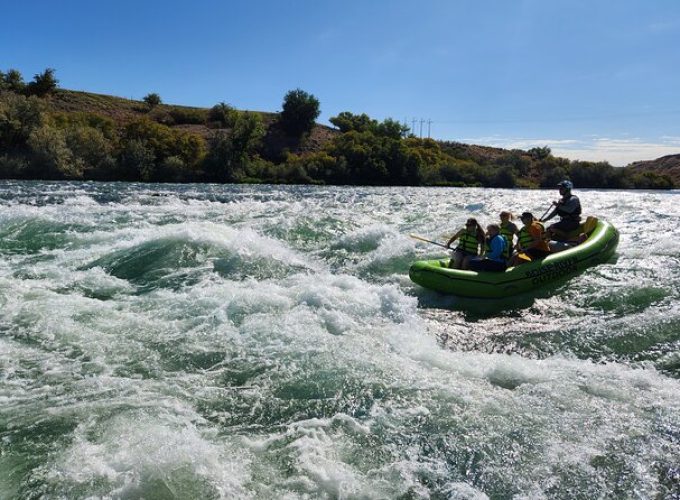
{"x":556,"y":202}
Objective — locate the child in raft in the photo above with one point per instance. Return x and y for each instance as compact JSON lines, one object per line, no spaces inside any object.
{"x":469,"y":239}
{"x":494,"y":256}
{"x":530,"y":242}
{"x":508,"y":231}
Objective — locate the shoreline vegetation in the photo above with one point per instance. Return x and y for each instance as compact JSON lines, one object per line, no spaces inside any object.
{"x":49,"y":133}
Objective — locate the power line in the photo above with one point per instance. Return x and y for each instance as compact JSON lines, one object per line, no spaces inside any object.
{"x":420,"y":122}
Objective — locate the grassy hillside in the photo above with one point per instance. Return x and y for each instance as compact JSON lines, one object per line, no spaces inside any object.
{"x":666,"y":165}
{"x":67,"y":134}
{"x":193,"y":119}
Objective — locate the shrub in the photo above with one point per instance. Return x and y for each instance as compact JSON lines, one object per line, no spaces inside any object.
{"x":90,"y":149}
{"x":187,"y":116}
{"x":172,"y":169}
{"x":152,"y":100}
{"x":43,"y":83}
{"x":223,"y":115}
{"x":14,"y":82}
{"x":52,"y":157}
{"x":300,"y":110}
{"x":391,"y":128}
{"x":13,"y":167}
{"x":83,"y":119}
{"x":19,"y":116}
{"x":228,"y":156}
{"x":539,"y":153}
{"x":137,"y":160}
{"x":347,"y":121}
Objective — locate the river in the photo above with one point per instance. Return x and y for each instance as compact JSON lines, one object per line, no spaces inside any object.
{"x":209,"y":341}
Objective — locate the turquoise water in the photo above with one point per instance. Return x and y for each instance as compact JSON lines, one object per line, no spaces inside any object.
{"x":265,"y":342}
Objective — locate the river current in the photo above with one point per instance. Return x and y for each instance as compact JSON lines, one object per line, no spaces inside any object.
{"x":208,"y":341}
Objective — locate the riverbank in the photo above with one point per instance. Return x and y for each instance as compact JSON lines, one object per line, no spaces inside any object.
{"x":77,"y":135}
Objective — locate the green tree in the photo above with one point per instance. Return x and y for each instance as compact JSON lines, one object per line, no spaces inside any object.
{"x":595,"y":175}
{"x":14,"y":81}
{"x":539,"y":153}
{"x":376,"y":160}
{"x":223,"y":114}
{"x":651,"y":180}
{"x":13,"y":166}
{"x":228,"y":155}
{"x":52,"y":157}
{"x":391,"y":128}
{"x":19,"y":116}
{"x":504,"y":177}
{"x":92,"y":152}
{"x":320,"y":167}
{"x":172,"y":169}
{"x":160,"y":142}
{"x":137,"y":160}
{"x":553,"y":170}
{"x":347,"y":121}
{"x":43,"y":83}
{"x":300,"y":110}
{"x":152,"y":100}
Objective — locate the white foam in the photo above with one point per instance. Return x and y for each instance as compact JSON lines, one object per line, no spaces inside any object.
{"x":133,"y":453}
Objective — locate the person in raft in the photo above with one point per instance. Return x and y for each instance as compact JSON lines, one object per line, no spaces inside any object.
{"x":530,"y":243}
{"x":494,"y":256}
{"x":469,"y":238}
{"x":569,"y":209}
{"x":508,"y":231}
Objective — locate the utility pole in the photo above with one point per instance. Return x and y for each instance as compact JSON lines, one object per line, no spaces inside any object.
{"x":429,"y":122}
{"x":413,"y":126}
{"x":421,"y":127}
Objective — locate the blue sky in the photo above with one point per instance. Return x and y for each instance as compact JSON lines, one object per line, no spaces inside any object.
{"x":593,"y":80}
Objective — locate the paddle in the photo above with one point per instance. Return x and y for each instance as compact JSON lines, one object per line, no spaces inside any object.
{"x":416,"y":237}
{"x":545,"y":213}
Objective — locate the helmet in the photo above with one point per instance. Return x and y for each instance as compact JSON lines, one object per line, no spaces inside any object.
{"x":568,"y":185}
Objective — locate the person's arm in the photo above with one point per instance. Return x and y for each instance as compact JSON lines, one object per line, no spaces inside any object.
{"x":454,"y":238}
{"x":551,"y":214}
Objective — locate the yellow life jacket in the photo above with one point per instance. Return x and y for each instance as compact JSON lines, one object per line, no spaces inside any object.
{"x":525,"y":238}
{"x":468,"y":243}
{"x":508,"y":235}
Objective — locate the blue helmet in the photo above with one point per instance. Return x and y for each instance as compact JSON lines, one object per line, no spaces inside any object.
{"x":568,"y":185}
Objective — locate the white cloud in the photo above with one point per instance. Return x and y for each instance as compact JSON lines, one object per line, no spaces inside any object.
{"x":618,"y":152}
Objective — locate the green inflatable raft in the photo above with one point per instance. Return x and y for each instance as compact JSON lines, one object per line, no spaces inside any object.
{"x":598,"y":247}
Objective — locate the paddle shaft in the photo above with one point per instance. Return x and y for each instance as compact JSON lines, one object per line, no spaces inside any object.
{"x":416,"y":237}
{"x":545,"y":213}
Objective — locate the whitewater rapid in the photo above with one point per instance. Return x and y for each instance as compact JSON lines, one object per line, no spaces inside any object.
{"x":167,"y":341}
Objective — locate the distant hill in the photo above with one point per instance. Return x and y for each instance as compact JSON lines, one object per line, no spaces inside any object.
{"x":69,"y":134}
{"x":666,"y":165}
{"x":195,"y":120}
{"x":187,"y":118}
